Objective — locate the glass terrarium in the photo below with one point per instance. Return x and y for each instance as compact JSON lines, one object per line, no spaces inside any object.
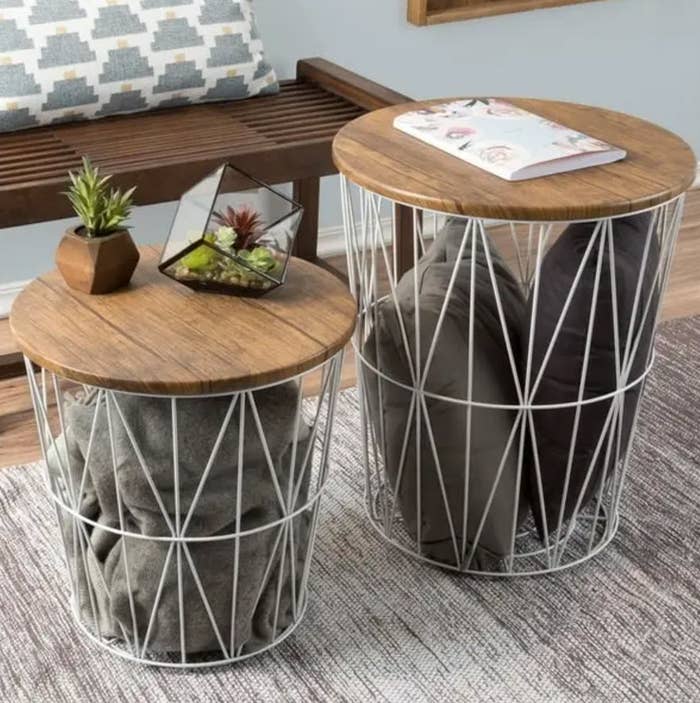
{"x":231,"y":234}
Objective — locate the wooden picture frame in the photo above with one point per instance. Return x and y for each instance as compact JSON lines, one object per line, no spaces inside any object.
{"x":426,"y":12}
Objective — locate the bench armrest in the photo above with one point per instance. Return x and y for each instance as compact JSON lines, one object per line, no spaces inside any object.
{"x":351,"y":86}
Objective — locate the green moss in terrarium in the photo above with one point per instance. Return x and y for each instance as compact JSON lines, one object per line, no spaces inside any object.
{"x":202,"y":258}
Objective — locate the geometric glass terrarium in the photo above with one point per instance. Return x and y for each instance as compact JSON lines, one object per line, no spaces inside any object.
{"x":231,"y":234}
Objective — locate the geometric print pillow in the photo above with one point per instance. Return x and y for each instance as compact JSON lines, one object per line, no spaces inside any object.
{"x":67,"y":60}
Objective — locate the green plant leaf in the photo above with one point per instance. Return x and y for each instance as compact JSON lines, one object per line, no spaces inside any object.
{"x":102,"y":212}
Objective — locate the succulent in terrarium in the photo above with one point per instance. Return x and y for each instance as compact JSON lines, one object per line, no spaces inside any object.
{"x":232,"y":234}
{"x":260,"y":258}
{"x":238,"y":232}
{"x":244,"y":221}
{"x":226,"y":237}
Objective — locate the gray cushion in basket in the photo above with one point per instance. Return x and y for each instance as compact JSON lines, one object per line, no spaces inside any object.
{"x":560,"y":382}
{"x":67,"y":60}
{"x":107,"y":558}
{"x":493,"y":382}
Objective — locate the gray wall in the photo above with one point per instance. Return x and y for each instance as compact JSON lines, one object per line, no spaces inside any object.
{"x":639,"y":56}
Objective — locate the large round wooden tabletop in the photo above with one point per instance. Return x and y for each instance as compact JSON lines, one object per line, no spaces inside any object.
{"x":159,"y":337}
{"x":658,"y":167}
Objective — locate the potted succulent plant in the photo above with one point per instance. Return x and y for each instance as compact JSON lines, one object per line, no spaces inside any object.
{"x":98,"y":256}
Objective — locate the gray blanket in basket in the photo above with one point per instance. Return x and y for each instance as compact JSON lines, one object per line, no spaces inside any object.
{"x":108,"y":568}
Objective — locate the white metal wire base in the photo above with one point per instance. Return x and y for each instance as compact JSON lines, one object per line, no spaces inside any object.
{"x":397,"y":435}
{"x":149,"y":581}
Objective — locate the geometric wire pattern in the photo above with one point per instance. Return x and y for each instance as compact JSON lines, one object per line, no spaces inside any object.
{"x":527,"y":478}
{"x":153,"y":579}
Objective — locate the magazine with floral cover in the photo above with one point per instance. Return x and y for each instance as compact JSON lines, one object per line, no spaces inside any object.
{"x":506,"y":140}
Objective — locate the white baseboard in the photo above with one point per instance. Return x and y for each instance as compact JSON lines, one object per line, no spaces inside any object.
{"x":8,"y":292}
{"x":331,"y":240}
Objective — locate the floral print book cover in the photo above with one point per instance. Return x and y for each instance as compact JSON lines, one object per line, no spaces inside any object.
{"x":506,"y":140}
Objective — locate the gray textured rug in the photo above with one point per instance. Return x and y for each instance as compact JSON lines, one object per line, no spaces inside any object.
{"x":380,"y":627}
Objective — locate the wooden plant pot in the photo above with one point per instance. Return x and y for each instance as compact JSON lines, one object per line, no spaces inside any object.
{"x":96,"y":265}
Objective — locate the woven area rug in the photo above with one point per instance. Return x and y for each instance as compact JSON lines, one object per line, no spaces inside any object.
{"x":381,"y":627}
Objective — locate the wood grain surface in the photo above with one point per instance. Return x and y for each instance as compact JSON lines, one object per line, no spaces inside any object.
{"x":278,"y":138}
{"x":18,"y":435}
{"x":658,"y":167}
{"x":159,"y":337}
{"x":422,"y":12}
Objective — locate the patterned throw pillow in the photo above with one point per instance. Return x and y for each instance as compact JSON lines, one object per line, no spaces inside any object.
{"x":66,"y":60}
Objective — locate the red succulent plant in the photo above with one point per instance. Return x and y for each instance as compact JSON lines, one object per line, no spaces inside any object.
{"x":246,"y":221}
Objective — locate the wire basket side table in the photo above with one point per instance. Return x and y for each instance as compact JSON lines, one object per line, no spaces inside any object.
{"x":501,"y":375}
{"x":186,"y":441}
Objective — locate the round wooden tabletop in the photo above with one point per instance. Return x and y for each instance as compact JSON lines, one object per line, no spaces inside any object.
{"x":658,"y":167}
{"x":159,"y":337}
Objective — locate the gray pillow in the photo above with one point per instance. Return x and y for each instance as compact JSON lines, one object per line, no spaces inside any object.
{"x":561,"y":377}
{"x":492,"y":382}
{"x":67,"y":60}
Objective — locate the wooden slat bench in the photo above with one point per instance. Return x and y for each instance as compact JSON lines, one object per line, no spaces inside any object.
{"x":280,"y":139}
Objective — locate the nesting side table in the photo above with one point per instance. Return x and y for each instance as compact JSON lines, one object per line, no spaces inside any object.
{"x":501,"y":376}
{"x":186,"y":440}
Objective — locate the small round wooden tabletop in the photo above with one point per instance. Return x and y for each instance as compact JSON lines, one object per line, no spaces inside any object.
{"x":658,"y":167}
{"x":159,"y":337}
